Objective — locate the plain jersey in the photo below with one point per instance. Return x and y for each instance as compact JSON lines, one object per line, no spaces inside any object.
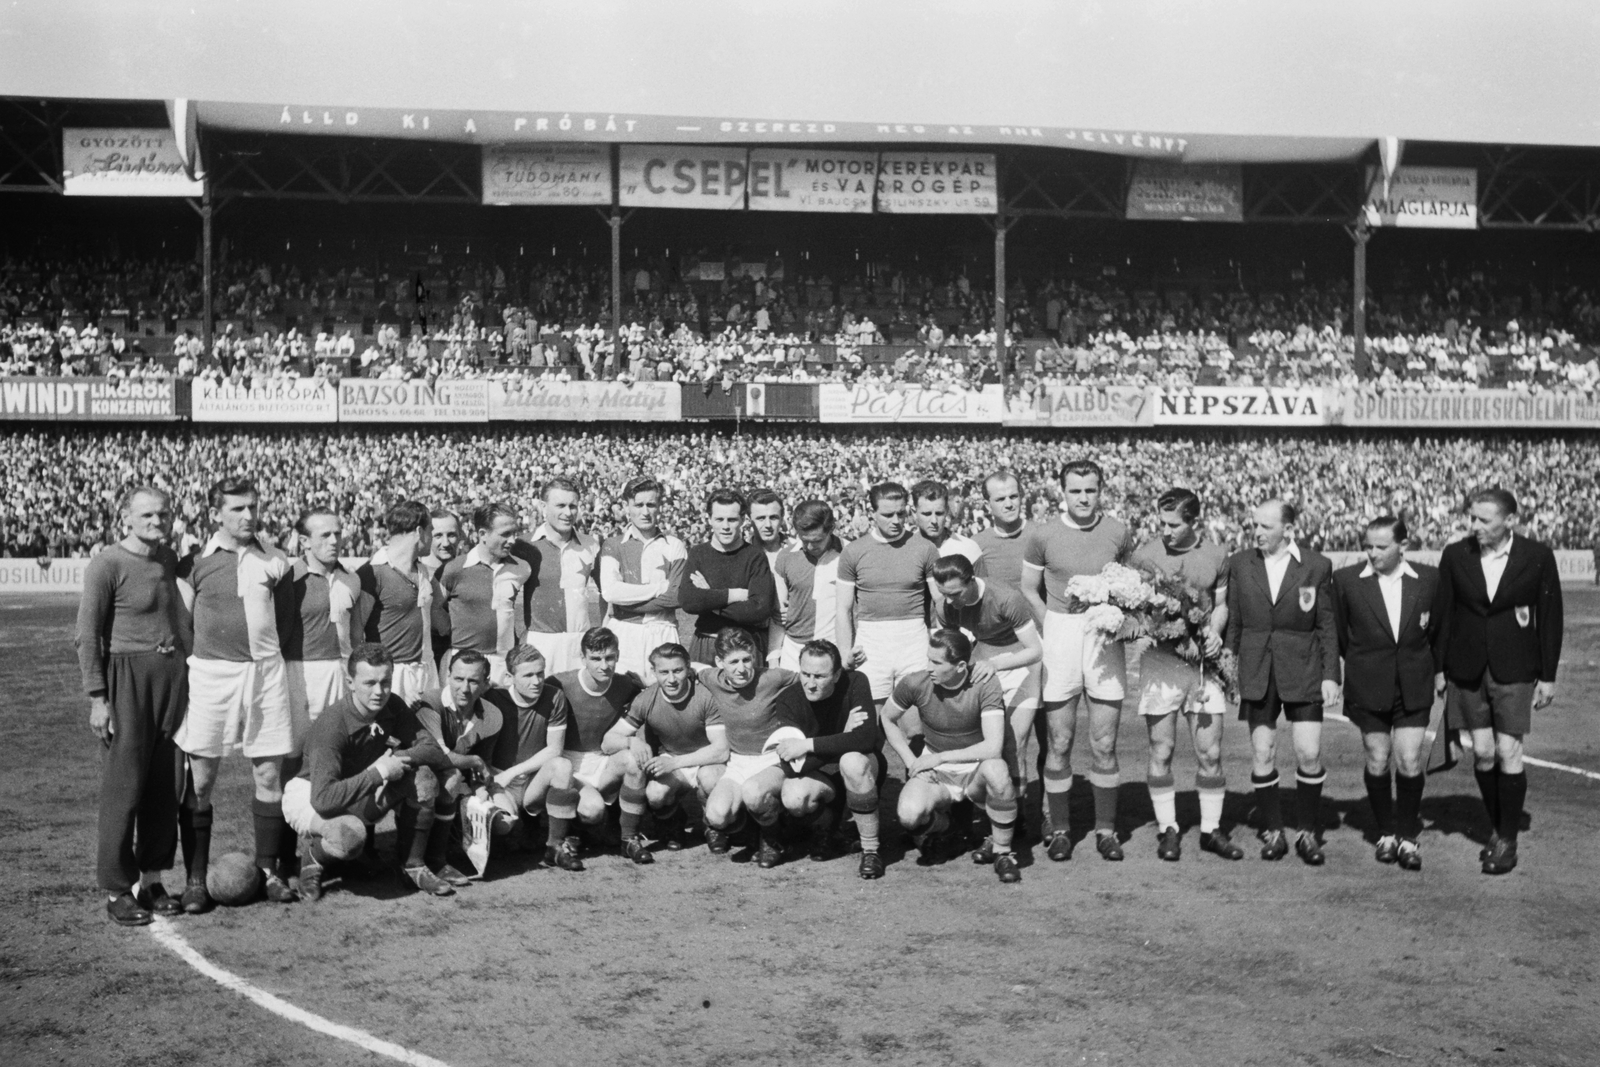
{"x":1000,"y":557}
{"x":1200,"y":566}
{"x":675,"y":727}
{"x":993,"y":621}
{"x":1065,"y":552}
{"x":951,"y":718}
{"x":891,"y":577}
{"x":590,"y":715}
{"x":750,"y":713}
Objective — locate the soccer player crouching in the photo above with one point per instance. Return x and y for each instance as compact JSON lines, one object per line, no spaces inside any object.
{"x":747,"y":695}
{"x":466,"y":728}
{"x":963,"y":724}
{"x":842,"y":757}
{"x":594,"y":698}
{"x":676,"y":748}
{"x":364,"y":757}
{"x":527,"y":758}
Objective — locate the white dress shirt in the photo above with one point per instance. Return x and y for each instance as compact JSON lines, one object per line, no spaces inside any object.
{"x":1390,"y":586}
{"x":1494,"y":565}
{"x":1278,"y":566}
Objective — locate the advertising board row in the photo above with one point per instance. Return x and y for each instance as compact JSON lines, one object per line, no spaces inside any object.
{"x":737,"y":179}
{"x":381,"y":400}
{"x":88,"y":400}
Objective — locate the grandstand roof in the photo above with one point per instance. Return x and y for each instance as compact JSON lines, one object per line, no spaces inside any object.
{"x":1188,"y":79}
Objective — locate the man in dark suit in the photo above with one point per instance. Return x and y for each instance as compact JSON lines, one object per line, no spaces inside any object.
{"x":1281,"y":626}
{"x":1498,"y":645}
{"x":1384,"y":610}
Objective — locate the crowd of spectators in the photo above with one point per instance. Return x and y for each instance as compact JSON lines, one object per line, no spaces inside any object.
{"x":759,"y":322}
{"x":59,"y":489}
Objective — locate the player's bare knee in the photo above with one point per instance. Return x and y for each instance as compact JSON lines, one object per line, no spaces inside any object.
{"x":997,"y":779}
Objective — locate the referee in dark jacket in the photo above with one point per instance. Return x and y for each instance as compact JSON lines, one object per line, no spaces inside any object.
{"x":1498,"y":644}
{"x":1384,"y":609}
{"x":133,"y":641}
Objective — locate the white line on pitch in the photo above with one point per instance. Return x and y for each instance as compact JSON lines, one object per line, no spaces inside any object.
{"x":1334,"y":715}
{"x":164,"y":933}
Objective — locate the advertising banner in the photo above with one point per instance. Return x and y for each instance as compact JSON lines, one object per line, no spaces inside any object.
{"x":42,"y":575}
{"x":1226,"y":405}
{"x":387,"y":400}
{"x":937,"y":183}
{"x":1478,"y":408}
{"x":267,"y":400}
{"x":875,"y":403}
{"x":123,"y":162}
{"x":1425,"y":197}
{"x":87,"y":400}
{"x":1174,"y":192}
{"x":547,"y":174}
{"x":1068,"y":406}
{"x":586,"y":401}
{"x":683,"y":176}
{"x":806,"y":179}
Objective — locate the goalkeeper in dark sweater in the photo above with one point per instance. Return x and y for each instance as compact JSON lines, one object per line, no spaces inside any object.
{"x":726,"y":581}
{"x":841,"y":756}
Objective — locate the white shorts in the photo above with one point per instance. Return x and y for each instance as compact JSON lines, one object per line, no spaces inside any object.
{"x":411,"y":680}
{"x":315,"y":685}
{"x":1079,"y":661}
{"x":682,"y":778}
{"x":743,"y":768}
{"x":237,"y":707}
{"x":637,"y":639}
{"x":954,"y":777}
{"x":587,"y":768}
{"x":894,"y":649}
{"x":1167,"y":684}
{"x":789,"y":653}
{"x":303,"y":818}
{"x":1019,"y":684}
{"x":560,"y":651}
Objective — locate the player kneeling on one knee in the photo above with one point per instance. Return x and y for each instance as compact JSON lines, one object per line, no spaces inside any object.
{"x":365,"y":757}
{"x":963,"y":725}
{"x":676,"y":748}
{"x":841,"y":752}
{"x":527,"y":761}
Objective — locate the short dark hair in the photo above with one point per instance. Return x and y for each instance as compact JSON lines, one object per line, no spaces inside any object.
{"x":670,"y":650}
{"x":765,"y":495}
{"x":1083,"y":468}
{"x":725,"y":497}
{"x":954,"y":643}
{"x":885,"y":491}
{"x":471,"y":657}
{"x":484,"y":516}
{"x":1004,"y":474}
{"x":1184,"y":501}
{"x":522,"y":654}
{"x":928,"y":489}
{"x":566,"y":485}
{"x":949,"y":568}
{"x":371,"y":653}
{"x":406,"y":516}
{"x":822,"y":647}
{"x":307,"y":515}
{"x":233,"y":486}
{"x":734,"y":639}
{"x":642,"y":484}
{"x":1500,"y":498}
{"x":812,"y":515}
{"x":598,"y":639}
{"x":1394,"y":524}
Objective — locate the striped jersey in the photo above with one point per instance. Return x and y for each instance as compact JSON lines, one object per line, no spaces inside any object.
{"x":480,"y":596}
{"x":398,"y":607}
{"x":308,"y":607}
{"x":629,"y":559}
{"x":806,"y":591}
{"x":235,"y":601}
{"x":557,"y":593}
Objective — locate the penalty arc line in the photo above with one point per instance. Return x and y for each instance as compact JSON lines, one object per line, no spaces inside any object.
{"x":1547,"y":764}
{"x":162,"y":930}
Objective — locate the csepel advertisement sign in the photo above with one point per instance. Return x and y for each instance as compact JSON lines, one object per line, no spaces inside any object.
{"x":388,"y":400}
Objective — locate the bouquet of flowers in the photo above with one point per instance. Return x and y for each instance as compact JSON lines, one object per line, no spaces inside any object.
{"x":1132,"y":605}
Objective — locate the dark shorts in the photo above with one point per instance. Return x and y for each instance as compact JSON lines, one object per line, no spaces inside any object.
{"x":1506,"y":708}
{"x":1398,"y":717}
{"x":1264,"y":712}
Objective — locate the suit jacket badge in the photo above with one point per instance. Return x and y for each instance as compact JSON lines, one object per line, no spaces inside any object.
{"x":1308,"y":597}
{"x":1524,"y":616}
{"x":1422,"y":620}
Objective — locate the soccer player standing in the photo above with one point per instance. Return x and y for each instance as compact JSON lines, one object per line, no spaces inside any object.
{"x":238,"y":684}
{"x":930,"y":501}
{"x":1170,"y":686}
{"x":315,"y":610}
{"x":1001,"y":544}
{"x":132,"y":636}
{"x":766,"y":520}
{"x":1281,"y":626}
{"x":1384,"y":611}
{"x":562,"y":561}
{"x":640,"y":572}
{"x":481,"y":588}
{"x":1499,"y":644}
{"x":806,"y":574}
{"x":726,"y":581}
{"x":398,"y":594}
{"x":882,"y":594}
{"x":1078,"y":662}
